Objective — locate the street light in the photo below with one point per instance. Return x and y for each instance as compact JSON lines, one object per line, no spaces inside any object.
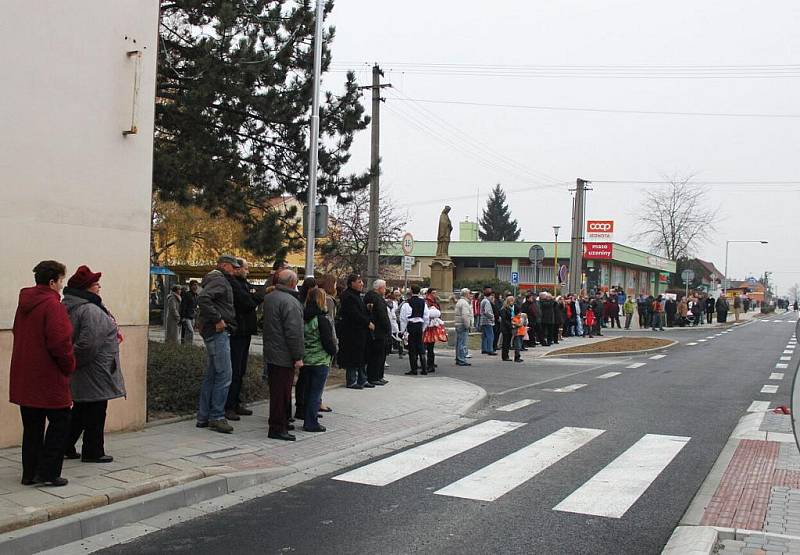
{"x":725,"y":277}
{"x":555,"y":261}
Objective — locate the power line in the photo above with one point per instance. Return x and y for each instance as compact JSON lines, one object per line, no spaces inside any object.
{"x":696,"y":182}
{"x":399,"y":95}
{"x":599,"y":110}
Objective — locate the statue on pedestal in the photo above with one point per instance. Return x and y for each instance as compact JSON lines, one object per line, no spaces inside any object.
{"x":443,"y":235}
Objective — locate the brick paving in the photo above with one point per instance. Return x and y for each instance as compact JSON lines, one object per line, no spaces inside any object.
{"x":170,"y":454}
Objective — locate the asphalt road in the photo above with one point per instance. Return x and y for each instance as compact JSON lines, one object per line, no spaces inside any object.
{"x":652,"y":432}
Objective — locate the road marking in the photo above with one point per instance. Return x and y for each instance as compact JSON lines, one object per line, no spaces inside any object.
{"x":758,"y":406}
{"x":693,"y":343}
{"x":769,"y":389}
{"x":711,"y":337}
{"x":776,"y":376}
{"x":608,"y":375}
{"x":781,"y":366}
{"x":718,"y":335}
{"x":636,"y":365}
{"x":613,"y":490}
{"x":567,"y":388}
{"x":495,"y":480}
{"x":702,"y":340}
{"x":391,"y":469}
{"x":657,"y":357}
{"x":517,"y":405}
{"x":788,"y":352}
{"x":786,"y":358}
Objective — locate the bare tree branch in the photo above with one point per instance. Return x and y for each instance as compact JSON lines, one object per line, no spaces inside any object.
{"x":676,"y":219}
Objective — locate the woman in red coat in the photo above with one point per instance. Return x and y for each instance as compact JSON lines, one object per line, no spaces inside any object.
{"x":41,"y":365}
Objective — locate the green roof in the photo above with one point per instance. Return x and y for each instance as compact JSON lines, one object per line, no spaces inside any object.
{"x":519,"y":249}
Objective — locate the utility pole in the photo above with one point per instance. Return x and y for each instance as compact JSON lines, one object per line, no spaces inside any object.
{"x":373,"y":249}
{"x":314,"y":145}
{"x":576,"y":249}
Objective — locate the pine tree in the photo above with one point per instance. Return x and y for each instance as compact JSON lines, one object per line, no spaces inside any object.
{"x":496,"y":223}
{"x":233,"y":109}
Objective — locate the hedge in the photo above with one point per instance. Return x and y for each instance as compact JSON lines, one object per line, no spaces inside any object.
{"x":175,"y":374}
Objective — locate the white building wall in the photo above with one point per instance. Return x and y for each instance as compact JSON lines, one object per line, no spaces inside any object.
{"x":72,"y":187}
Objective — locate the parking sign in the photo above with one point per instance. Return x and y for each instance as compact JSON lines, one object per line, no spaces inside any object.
{"x":515,"y":278}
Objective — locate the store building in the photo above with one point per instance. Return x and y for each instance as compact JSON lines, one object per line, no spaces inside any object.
{"x":638,"y":272}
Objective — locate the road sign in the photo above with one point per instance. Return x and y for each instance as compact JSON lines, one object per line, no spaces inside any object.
{"x":408,"y":263}
{"x":536,"y":254}
{"x":408,"y":244}
{"x":514,"y":278}
{"x":562,"y":273}
{"x":687,"y":275}
{"x":751,"y":281}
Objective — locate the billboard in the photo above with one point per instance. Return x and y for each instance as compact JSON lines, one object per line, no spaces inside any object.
{"x":600,"y":229}
{"x":596,"y":251}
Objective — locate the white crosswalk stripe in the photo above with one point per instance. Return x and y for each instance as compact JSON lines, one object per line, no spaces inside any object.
{"x":786,"y":358}
{"x":781,"y":365}
{"x":769,"y":389}
{"x":502,"y":476}
{"x":613,"y":490}
{"x":776,"y":376}
{"x":758,"y":406}
{"x":657,"y":357}
{"x":517,"y":405}
{"x":391,"y":469}
{"x":567,"y":388}
{"x":636,"y":365}
{"x":608,"y":375}
{"x":692,"y":343}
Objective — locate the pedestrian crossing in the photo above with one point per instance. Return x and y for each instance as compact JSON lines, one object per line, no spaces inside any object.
{"x":610,"y":493}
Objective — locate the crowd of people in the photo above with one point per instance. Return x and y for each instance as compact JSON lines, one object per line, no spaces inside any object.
{"x":65,"y":362}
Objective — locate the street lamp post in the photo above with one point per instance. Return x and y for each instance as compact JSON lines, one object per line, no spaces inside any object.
{"x":555,"y":261}
{"x":725,"y":277}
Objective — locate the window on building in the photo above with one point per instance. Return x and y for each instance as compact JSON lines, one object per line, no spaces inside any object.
{"x":478,"y":262}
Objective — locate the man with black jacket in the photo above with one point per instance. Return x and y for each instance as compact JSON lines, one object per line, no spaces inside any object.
{"x":245,"y":303}
{"x":217,"y":319}
{"x":547,"y":309}
{"x":354,"y":327}
{"x":378,"y":338}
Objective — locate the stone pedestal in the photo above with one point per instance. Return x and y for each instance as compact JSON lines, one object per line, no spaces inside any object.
{"x":442,"y":276}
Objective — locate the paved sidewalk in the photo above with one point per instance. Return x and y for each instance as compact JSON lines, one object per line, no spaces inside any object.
{"x":165,"y":456}
{"x":750,"y":504}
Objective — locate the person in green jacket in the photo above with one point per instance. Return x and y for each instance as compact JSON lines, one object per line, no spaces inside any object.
{"x":627,"y":309}
{"x":320,"y":348}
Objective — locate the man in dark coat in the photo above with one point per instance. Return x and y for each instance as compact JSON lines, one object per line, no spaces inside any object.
{"x":245,"y":304}
{"x":378,"y":339}
{"x":352,"y":332}
{"x":188,"y":313}
{"x":722,"y":310}
{"x":709,"y":309}
{"x":497,"y":304}
{"x":670,"y":309}
{"x":547,"y":309}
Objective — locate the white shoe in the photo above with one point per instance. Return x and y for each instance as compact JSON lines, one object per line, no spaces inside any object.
{"x":386,"y":364}
{"x":469,"y":356}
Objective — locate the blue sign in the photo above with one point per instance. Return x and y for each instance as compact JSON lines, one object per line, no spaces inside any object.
{"x":515,"y":278}
{"x":751,"y":280}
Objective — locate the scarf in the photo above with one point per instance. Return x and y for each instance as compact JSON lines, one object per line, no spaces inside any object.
{"x":87,"y":296}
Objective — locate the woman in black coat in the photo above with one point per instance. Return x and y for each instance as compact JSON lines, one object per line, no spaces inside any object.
{"x":354,"y":325}
{"x":547,"y":308}
{"x":722,"y":310}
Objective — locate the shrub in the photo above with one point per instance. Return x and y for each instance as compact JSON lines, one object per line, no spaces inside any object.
{"x":479,"y":284}
{"x":175,"y":374}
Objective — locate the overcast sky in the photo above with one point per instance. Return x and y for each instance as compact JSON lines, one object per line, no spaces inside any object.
{"x":435,"y":153}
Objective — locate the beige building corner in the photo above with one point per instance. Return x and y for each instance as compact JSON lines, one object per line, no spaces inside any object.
{"x":76,"y":167}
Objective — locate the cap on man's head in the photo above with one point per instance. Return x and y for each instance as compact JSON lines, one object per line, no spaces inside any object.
{"x":228,"y":259}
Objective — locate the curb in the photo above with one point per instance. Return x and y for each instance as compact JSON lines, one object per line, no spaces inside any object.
{"x":50,"y":528}
{"x":555,"y":354}
{"x":705,"y":540}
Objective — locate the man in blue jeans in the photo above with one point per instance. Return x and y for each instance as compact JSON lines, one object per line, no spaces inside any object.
{"x":217,"y":319}
{"x":487,"y":323}
{"x":463,"y":319}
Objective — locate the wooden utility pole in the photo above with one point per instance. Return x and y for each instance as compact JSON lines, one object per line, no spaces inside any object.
{"x":576,"y":249}
{"x":373,"y":248}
